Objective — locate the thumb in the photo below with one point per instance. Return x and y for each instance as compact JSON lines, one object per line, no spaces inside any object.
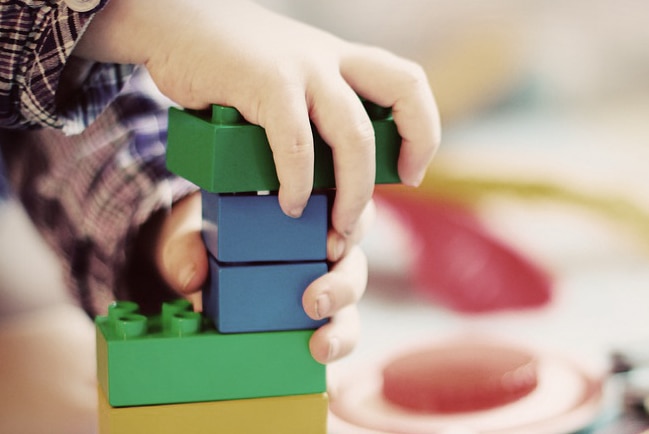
{"x":181,"y":258}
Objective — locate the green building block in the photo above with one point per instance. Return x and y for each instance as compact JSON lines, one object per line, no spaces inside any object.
{"x":222,"y":153}
{"x":178,"y":357}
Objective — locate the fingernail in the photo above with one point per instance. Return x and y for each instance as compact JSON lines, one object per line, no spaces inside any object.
{"x":417,"y":180}
{"x":322,"y":306}
{"x":295,"y":212}
{"x":334,"y":349}
{"x":186,"y":275}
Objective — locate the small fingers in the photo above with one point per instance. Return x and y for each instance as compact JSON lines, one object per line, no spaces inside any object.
{"x":337,"y":338}
{"x":181,"y":257}
{"x":338,"y":246}
{"x":291,"y":139}
{"x":342,"y":286}
{"x":344,"y":125}
{"x":391,"y":81}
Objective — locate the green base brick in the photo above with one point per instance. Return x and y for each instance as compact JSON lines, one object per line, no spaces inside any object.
{"x":178,"y":357}
{"x":222,"y":153}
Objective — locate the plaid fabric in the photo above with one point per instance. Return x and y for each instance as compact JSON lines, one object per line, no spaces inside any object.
{"x":90,"y":193}
{"x":90,"y":167}
{"x":36,"y":39}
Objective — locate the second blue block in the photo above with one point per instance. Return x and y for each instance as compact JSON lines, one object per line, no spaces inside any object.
{"x":260,"y":297}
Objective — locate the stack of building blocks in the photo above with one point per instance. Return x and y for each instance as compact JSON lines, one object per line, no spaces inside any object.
{"x":175,"y":372}
{"x":243,"y":365}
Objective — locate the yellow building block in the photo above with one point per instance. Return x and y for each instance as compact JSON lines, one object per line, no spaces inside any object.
{"x":297,"y":414}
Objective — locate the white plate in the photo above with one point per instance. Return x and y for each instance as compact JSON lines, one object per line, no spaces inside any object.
{"x":566,"y":399}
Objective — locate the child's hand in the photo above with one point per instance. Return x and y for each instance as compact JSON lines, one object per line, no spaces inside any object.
{"x":181,"y":259}
{"x":281,"y":75}
{"x":336,"y":294}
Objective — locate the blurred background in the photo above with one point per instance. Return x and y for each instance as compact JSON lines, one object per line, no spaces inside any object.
{"x":545,"y":150}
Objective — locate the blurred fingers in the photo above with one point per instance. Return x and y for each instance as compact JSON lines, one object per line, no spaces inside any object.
{"x":181,"y":257}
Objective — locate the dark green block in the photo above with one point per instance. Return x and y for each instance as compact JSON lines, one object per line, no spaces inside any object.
{"x":222,"y":153}
{"x":165,"y":359}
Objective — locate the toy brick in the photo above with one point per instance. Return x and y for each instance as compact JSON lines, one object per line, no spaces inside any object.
{"x":178,"y":357}
{"x":260,"y":297}
{"x":299,"y":414}
{"x":253,"y":228}
{"x":222,"y":153}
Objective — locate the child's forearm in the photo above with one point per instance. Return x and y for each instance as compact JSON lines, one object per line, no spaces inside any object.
{"x":136,"y":31}
{"x":122,"y":32}
{"x":222,"y":46}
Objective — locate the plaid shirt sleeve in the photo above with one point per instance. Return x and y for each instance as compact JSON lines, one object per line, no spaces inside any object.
{"x":36,"y":40}
{"x":90,"y":193}
{"x":89,"y":168}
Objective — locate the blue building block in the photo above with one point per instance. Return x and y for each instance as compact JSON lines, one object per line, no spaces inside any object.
{"x":260,"y":297}
{"x":253,"y":228}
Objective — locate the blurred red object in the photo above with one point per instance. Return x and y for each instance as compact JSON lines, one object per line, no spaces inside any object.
{"x":459,"y":264}
{"x":465,"y":375}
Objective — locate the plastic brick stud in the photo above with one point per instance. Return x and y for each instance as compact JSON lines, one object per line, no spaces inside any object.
{"x":143,"y":361}
{"x":222,"y":153}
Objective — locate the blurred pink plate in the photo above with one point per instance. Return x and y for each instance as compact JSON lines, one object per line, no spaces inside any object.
{"x":566,"y":399}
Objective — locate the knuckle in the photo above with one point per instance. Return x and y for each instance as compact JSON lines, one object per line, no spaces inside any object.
{"x":414,"y":76}
{"x":300,"y":147}
{"x":359,"y":135}
{"x":363,"y":134}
